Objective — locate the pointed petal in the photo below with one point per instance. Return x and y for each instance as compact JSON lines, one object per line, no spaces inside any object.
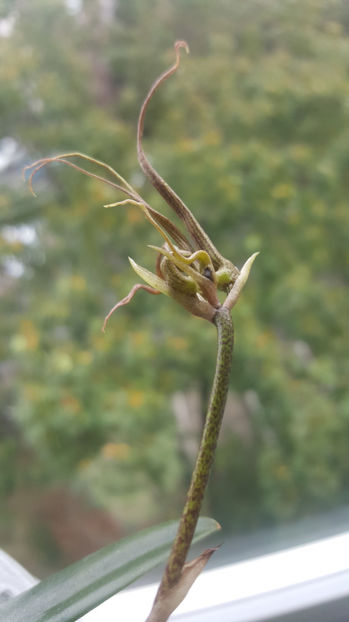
{"x":239,"y":284}
{"x":151,"y":279}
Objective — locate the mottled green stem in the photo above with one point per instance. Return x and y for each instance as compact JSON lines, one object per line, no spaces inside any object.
{"x":206,"y":453}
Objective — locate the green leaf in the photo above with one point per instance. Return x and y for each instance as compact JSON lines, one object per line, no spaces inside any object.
{"x":72,"y":592}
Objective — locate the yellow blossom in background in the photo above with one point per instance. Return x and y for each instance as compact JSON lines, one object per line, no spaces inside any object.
{"x":15,"y":245}
{"x":300,"y":152}
{"x":32,"y":392}
{"x":213,"y":137}
{"x":100,"y":344}
{"x":30,"y":334}
{"x":293,"y":216}
{"x":135,"y":398}
{"x":230,"y":188}
{"x":264,"y":338}
{"x":138,"y":338}
{"x":116,"y":451}
{"x":3,"y":200}
{"x":71,"y":404}
{"x":78,"y":283}
{"x":243,"y":64}
{"x":134,"y":216}
{"x":177,"y":343}
{"x":319,"y":208}
{"x":281,"y":471}
{"x":85,"y":357}
{"x":283,"y":191}
{"x":85,"y":464}
{"x":116,"y":279}
{"x":185,"y":145}
{"x":334,"y":28}
{"x":236,"y":152}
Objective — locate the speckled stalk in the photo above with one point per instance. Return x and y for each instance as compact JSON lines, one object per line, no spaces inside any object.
{"x":201,"y":472}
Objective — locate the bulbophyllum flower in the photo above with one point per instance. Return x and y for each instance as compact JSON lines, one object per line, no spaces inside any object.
{"x":189,"y":268}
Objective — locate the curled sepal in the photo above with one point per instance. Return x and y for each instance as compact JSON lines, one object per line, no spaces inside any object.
{"x":240,"y":282}
{"x":127,"y":299}
{"x":126,"y":188}
{"x":166,"y":602}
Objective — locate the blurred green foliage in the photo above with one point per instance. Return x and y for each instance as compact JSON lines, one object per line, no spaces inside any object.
{"x":253,"y":134}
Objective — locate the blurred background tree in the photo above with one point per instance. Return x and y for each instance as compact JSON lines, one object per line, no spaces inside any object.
{"x":100,"y":430}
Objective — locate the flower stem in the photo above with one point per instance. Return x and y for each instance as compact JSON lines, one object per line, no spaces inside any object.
{"x":201,"y":472}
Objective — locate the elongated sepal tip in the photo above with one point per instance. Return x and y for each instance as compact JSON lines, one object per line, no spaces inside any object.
{"x":240,"y":282}
{"x":246,"y":268}
{"x":182,"y":44}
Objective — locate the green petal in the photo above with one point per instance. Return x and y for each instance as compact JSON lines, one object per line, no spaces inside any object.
{"x":151,"y":279}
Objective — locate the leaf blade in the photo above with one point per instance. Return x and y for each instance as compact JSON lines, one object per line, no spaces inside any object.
{"x":72,"y":592}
